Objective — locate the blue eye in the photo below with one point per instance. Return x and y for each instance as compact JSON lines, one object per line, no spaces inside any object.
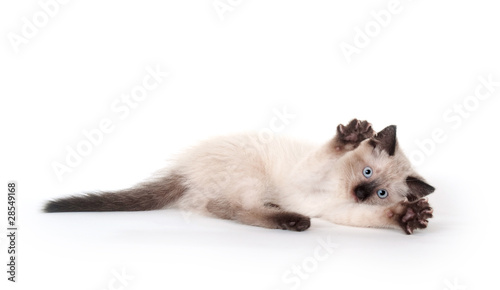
{"x":382,"y":193}
{"x":367,"y":172}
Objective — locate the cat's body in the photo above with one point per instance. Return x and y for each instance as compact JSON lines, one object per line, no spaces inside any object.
{"x":358,"y":178}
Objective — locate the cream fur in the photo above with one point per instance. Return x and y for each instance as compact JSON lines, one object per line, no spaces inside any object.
{"x":241,"y":172}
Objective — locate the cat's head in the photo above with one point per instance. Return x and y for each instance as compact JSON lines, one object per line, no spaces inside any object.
{"x":378,"y":172}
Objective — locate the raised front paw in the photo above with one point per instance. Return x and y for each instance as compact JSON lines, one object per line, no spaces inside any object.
{"x":414,"y":215}
{"x":292,"y":221}
{"x":355,"y":132}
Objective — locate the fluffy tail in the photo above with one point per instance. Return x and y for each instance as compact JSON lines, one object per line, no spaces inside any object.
{"x":146,"y":196}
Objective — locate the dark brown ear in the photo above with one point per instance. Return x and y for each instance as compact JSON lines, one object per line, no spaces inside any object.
{"x":385,"y":140}
{"x":418,"y":188}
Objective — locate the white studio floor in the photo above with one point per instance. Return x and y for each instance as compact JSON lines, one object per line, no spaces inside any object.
{"x":172,"y":249}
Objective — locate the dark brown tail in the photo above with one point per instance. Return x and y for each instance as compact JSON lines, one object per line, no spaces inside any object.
{"x":146,"y":196}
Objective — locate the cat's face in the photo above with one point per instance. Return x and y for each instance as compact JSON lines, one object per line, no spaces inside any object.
{"x":378,"y":172}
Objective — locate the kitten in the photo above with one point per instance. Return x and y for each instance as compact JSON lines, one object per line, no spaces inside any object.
{"x":358,"y":178}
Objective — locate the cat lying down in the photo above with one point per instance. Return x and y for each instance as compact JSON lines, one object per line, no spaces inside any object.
{"x":358,"y":178}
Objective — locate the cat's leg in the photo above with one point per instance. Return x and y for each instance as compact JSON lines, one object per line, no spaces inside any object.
{"x":349,"y":137}
{"x":268,"y":216}
{"x":274,"y":219}
{"x":405,"y":215}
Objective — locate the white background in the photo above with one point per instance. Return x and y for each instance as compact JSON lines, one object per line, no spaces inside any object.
{"x":229,"y":75}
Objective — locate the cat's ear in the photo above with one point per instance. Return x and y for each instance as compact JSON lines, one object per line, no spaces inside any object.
{"x":385,"y":140}
{"x":418,"y":188}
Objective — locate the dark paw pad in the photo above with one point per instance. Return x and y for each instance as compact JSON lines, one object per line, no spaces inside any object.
{"x":292,"y":222}
{"x":355,"y":132}
{"x":415,"y":216}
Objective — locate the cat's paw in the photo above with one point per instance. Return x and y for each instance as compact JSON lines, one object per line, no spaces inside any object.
{"x":292,"y":221}
{"x":414,"y":215}
{"x":355,"y":132}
